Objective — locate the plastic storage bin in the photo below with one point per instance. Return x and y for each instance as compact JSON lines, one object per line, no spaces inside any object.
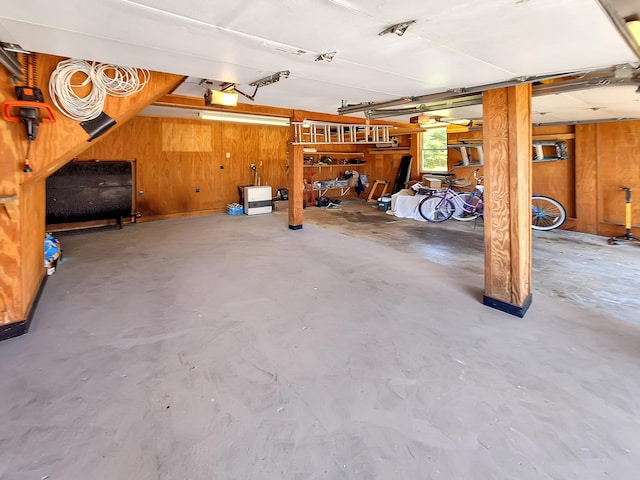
{"x":384,"y":204}
{"x":235,"y":209}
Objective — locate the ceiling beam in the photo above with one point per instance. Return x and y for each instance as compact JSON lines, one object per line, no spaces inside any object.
{"x":196,"y":103}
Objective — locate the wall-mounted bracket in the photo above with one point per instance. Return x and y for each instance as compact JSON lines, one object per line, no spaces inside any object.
{"x":10,"y":204}
{"x":468,"y":147}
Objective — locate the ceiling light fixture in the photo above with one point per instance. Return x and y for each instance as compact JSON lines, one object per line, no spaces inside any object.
{"x":243,"y":118}
{"x":398,"y":28}
{"x":233,"y":88}
{"x":229,"y":91}
{"x":435,"y":122}
{"x":634,"y":29}
{"x":326,"y":56}
{"x":224,"y":99}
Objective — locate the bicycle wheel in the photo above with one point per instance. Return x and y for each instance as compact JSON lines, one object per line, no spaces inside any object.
{"x":436,"y":208}
{"x":546,"y":213}
{"x":465,"y":206}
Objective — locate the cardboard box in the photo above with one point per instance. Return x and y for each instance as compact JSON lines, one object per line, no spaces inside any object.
{"x":280,"y":205}
{"x":430,"y":182}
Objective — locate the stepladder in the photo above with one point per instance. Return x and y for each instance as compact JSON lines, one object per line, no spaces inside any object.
{"x":372,"y":193}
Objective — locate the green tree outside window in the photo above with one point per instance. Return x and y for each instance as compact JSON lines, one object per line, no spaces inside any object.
{"x":434,"y":150}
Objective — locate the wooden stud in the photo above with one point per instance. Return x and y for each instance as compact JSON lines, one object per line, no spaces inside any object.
{"x":586,"y":186}
{"x":507,"y":143}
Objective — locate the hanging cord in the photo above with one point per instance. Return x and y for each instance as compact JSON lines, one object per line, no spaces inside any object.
{"x":103,"y":79}
{"x":120,"y":81}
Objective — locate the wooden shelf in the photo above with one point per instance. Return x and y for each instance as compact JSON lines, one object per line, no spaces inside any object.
{"x":393,"y":131}
{"x":316,"y":165}
{"x":337,"y":154}
{"x":390,"y":150}
{"x":554,"y":136}
{"x":471,"y":165}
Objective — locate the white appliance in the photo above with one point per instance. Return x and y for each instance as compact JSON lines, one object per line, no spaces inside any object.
{"x":257,"y":200}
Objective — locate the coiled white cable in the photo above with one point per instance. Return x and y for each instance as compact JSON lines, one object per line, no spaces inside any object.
{"x":104,"y":79}
{"x":120,"y":81}
{"x":63,"y":92}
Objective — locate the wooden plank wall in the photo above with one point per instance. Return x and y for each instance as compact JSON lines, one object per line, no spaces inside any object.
{"x":60,"y":142}
{"x":617,"y":150}
{"x":12,"y":141}
{"x":169,"y":171}
{"x":32,"y":215}
{"x":169,"y":178}
{"x":602,"y":158}
{"x":586,"y":186}
{"x":555,"y":178}
{"x":383,"y":164}
{"x":22,"y":221}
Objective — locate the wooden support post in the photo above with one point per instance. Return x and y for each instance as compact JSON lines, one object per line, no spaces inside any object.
{"x":296,"y":180}
{"x":507,"y":169}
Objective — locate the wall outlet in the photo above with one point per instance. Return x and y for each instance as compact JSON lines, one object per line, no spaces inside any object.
{"x":141,"y":193}
{"x":197,"y":189}
{"x":227,"y":155}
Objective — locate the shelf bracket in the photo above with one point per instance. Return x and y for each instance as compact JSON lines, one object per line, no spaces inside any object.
{"x":10,"y":204}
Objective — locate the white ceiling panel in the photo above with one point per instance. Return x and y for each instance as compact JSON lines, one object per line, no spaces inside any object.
{"x":608,"y":96}
{"x":451,"y":44}
{"x":533,"y":36}
{"x":549,"y":103}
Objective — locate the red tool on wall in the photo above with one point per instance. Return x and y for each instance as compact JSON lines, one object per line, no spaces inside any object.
{"x":30,"y":108}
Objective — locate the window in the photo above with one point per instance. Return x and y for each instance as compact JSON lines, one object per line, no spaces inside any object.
{"x":434,"y":150}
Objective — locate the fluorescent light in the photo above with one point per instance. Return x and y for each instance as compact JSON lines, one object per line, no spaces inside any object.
{"x":435,"y":122}
{"x":244,"y":118}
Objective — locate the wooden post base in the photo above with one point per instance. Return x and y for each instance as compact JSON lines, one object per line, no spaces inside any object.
{"x":518,"y":311}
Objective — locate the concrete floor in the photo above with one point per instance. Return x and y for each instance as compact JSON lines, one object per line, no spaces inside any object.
{"x":578,"y":268}
{"x":228,"y":347}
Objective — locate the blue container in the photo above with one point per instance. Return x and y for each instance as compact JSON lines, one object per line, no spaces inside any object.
{"x":235,"y":209}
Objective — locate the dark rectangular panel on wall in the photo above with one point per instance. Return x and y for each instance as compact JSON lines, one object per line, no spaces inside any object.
{"x":90,"y":190}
